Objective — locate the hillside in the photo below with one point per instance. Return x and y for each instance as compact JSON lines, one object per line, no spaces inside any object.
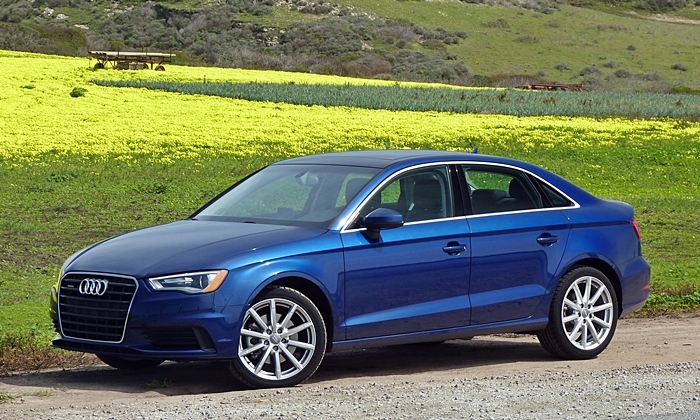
{"x":606,"y":45}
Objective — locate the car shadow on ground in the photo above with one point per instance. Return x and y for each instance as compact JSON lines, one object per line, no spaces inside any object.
{"x":427,"y":357}
{"x":207,"y":378}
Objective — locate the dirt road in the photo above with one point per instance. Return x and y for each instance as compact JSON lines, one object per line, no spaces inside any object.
{"x":648,"y":359}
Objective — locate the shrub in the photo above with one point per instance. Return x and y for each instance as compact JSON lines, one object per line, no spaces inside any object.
{"x":451,"y":40}
{"x":527,"y":39}
{"x":369,"y":65}
{"x":661,"y":5}
{"x":562,"y":67}
{"x":328,"y":37}
{"x":498,"y":23}
{"x":416,"y":65}
{"x":614,"y":27}
{"x":77,"y":92}
{"x":16,"y":13}
{"x":611,"y":64}
{"x":679,"y":66}
{"x":631,"y":47}
{"x":622,"y":74}
{"x":433,"y":44}
{"x":590,"y":70}
{"x":592,"y":82}
{"x":686,"y":90}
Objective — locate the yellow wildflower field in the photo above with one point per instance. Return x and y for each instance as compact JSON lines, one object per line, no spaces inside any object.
{"x":41,"y":122}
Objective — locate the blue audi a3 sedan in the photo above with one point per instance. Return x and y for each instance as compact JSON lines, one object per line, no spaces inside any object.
{"x":353,"y":250}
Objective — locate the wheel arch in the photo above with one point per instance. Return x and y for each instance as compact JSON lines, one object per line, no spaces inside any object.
{"x":608,"y":270}
{"x":313,"y":292}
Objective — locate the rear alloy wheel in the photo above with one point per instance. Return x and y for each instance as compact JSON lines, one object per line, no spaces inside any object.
{"x":282,"y":340}
{"x":129,"y":363}
{"x":583,"y":315}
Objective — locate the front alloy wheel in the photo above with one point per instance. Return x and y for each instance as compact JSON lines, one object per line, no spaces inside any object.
{"x":282,"y":340}
{"x":583,"y":316}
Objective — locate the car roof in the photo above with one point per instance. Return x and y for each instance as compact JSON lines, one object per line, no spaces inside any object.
{"x":384,"y":158}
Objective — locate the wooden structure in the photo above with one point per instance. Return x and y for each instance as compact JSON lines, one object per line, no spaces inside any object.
{"x":553,"y":86}
{"x":131,"y":60}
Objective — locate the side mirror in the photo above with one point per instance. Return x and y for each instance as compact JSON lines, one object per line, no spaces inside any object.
{"x":382,"y":218}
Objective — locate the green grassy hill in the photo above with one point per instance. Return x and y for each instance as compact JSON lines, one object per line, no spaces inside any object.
{"x":509,"y":40}
{"x":606,"y":45}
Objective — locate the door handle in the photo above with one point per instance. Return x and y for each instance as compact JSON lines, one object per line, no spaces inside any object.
{"x":454,"y":248}
{"x":547,"y":239}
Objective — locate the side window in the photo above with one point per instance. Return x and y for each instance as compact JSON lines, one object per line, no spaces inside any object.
{"x":422,"y":194}
{"x":555,"y":197}
{"x":352,"y":184}
{"x":498,"y":190}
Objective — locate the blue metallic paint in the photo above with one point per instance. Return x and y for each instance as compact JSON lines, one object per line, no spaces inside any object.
{"x":406,"y":282}
{"x":510,"y":269}
{"x":402,"y":288}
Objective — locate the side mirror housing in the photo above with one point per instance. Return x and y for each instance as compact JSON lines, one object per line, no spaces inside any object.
{"x":382,"y":218}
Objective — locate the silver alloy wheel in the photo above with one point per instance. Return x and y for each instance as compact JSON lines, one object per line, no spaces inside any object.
{"x":587,"y":314}
{"x":278,"y":339}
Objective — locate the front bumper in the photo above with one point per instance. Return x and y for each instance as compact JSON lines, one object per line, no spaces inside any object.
{"x":161,"y":325}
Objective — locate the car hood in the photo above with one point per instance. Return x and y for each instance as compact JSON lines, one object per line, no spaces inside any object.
{"x":183,"y":246}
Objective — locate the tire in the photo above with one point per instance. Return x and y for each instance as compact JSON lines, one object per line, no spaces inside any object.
{"x":160,"y":68}
{"x":581,"y":327}
{"x":283,"y":353}
{"x":126,"y":363}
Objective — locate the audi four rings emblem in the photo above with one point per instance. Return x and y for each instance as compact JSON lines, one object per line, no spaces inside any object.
{"x":95,"y":287}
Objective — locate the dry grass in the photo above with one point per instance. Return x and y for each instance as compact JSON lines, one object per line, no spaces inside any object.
{"x":22,"y":353}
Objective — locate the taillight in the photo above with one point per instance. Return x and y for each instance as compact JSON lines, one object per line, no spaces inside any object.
{"x":637,"y":232}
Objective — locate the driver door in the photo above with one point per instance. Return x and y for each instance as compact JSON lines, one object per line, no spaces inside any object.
{"x":415,"y":277}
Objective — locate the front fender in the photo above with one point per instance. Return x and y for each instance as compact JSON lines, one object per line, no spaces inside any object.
{"x":323,"y":270}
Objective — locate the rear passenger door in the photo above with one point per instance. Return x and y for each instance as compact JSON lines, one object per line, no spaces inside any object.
{"x":518,"y":239}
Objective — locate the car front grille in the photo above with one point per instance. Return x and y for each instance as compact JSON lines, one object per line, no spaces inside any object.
{"x":98,"y":315}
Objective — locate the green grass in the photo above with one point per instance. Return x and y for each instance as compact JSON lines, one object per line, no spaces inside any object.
{"x":577,"y":36}
{"x":398,"y":98}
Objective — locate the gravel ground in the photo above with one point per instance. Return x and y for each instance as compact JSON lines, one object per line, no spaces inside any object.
{"x":492,"y":377}
{"x":619,"y":393}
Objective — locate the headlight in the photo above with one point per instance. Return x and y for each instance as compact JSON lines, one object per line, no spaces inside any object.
{"x":203,"y":282}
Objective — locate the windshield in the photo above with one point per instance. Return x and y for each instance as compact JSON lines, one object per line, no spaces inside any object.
{"x":292,"y":195}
